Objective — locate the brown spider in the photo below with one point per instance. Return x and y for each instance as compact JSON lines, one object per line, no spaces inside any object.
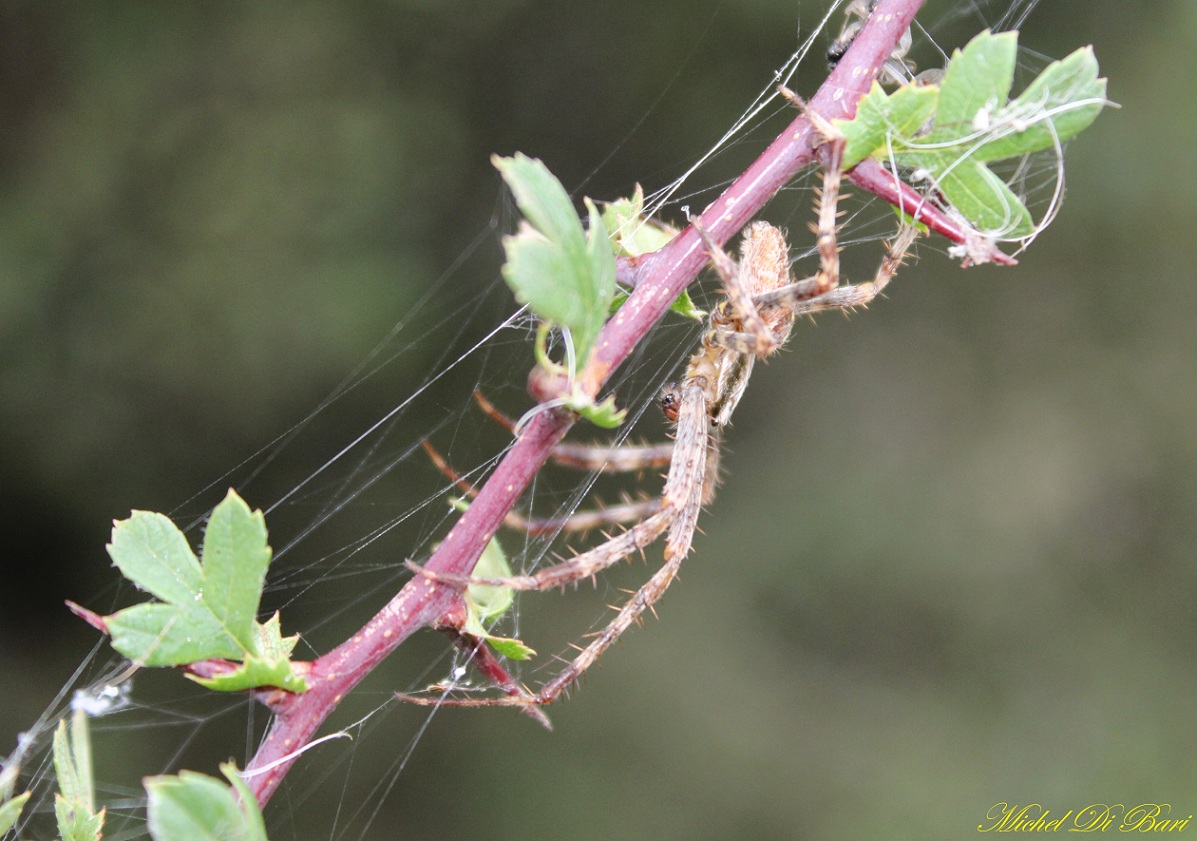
{"x":754,"y":321}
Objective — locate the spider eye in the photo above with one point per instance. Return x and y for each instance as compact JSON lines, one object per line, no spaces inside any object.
{"x":671,"y":402}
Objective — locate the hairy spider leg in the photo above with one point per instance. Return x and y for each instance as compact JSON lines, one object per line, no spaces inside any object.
{"x":579,"y":521}
{"x":624,"y":458}
{"x":739,"y":324}
{"x":795,"y":299}
{"x":682,"y":501}
{"x":605,"y":458}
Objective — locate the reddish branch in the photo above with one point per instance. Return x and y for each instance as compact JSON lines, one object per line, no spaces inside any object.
{"x":659,"y":278}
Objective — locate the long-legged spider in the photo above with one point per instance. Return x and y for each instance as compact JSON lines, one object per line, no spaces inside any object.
{"x":753,"y":321}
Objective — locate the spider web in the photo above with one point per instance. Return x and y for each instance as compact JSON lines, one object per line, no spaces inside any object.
{"x":365,"y":475}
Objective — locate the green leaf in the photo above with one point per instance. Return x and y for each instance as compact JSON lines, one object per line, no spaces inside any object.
{"x":634,"y":235}
{"x":1063,"y":101}
{"x":10,"y":807}
{"x":196,"y":807}
{"x":881,"y":116}
{"x":485,"y":603}
{"x":10,"y":811}
{"x":254,"y":823}
{"x":603,"y":414}
{"x":72,"y":761}
{"x":271,"y":666}
{"x":510,"y":648}
{"x":972,"y":123}
{"x":507,"y":646}
{"x":682,"y":305}
{"x":631,"y":233}
{"x":75,"y":823}
{"x":236,"y":556}
{"x":542,"y":199}
{"x":977,"y":77}
{"x":8,"y":779}
{"x":598,"y":285}
{"x":565,"y":275}
{"x":74,"y":805}
{"x":207,"y":611}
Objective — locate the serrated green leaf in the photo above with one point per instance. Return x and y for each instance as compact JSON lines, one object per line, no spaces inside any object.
{"x":269,"y":641}
{"x":75,"y":823}
{"x":984,"y":199}
{"x":235,"y":559}
{"x":507,"y":646}
{"x":255,"y":672}
{"x":634,"y":235}
{"x":534,"y":270}
{"x":631,"y":233}
{"x":565,"y":275}
{"x":542,"y":199}
{"x":270,"y":666}
{"x":254,"y":823}
{"x":10,"y":811}
{"x":604,"y":414}
{"x":150,"y":551}
{"x":978,"y":77}
{"x":600,"y":285}
{"x":74,"y":805}
{"x":207,"y":611}
{"x":1059,"y":104}
{"x":170,"y":634}
{"x":881,"y":116}
{"x":510,"y":648}
{"x":487,"y":602}
{"x":196,"y":807}
{"x":72,"y":761}
{"x":974,"y":124}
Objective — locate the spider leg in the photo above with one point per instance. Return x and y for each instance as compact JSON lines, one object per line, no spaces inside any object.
{"x":686,"y":484}
{"x":767,"y":304}
{"x":847,"y":297}
{"x":580,"y":521}
{"x":758,"y":337}
{"x":586,"y":565}
{"x":683,"y":495}
{"x":827,"y":202}
{"x":623,"y":458}
{"x":685,"y":488}
{"x":642,"y":600}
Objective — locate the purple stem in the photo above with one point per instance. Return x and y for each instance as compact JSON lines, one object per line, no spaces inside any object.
{"x":660,"y":278}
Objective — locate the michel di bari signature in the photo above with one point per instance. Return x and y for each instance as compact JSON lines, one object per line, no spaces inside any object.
{"x":1097,"y":817}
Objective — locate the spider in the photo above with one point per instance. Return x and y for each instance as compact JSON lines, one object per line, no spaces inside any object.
{"x":752,"y":322}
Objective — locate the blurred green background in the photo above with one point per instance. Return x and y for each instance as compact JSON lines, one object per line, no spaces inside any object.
{"x":953,"y":560}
